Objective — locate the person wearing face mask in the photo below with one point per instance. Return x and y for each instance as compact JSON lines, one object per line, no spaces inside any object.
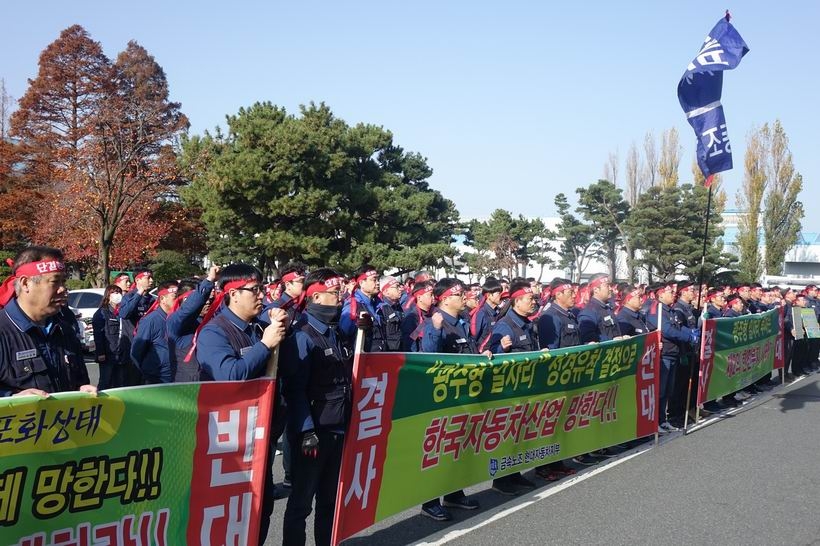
{"x":316,"y":372}
{"x":107,"y":326}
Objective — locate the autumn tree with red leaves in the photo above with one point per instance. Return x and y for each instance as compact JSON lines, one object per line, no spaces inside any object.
{"x":97,"y":138}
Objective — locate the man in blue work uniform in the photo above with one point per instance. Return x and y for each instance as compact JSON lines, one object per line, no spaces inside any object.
{"x":390,"y":314}
{"x":135,"y":303}
{"x":412,"y":326}
{"x":192,"y":303}
{"x":446,"y":332}
{"x":231,"y":344}
{"x":39,"y":349}
{"x":293,"y":287}
{"x":673,"y":334}
{"x":149,"y":350}
{"x":558,"y":329}
{"x":514,"y":333}
{"x":597,"y":321}
{"x":484,"y":317}
{"x":631,"y":321}
{"x":686,"y":376}
{"x":364,"y":299}
{"x":316,"y":372}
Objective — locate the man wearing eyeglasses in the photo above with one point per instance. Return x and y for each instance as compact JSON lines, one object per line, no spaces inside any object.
{"x":232,"y":344}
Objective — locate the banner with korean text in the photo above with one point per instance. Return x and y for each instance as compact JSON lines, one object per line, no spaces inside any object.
{"x":424,"y":425}
{"x":736,"y":352}
{"x":161,"y":465}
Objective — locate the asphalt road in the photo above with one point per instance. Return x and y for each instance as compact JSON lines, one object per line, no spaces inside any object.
{"x":752,"y":477}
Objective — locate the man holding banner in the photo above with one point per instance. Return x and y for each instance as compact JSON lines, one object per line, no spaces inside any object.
{"x":231,"y":344}
{"x":674,"y":336}
{"x":446,"y":332}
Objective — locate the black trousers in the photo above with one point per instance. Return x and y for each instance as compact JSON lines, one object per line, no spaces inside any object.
{"x":686,"y":369}
{"x":312,"y":477}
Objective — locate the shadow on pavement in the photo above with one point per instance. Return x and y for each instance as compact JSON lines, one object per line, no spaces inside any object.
{"x":798,"y":398}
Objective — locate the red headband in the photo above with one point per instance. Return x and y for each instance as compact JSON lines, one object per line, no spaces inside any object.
{"x":121,"y":276}
{"x":366,"y":275}
{"x":521,"y":292}
{"x":33,"y":269}
{"x":633,"y":294}
{"x":454,"y":290}
{"x":388,"y":284}
{"x":215,"y":305}
{"x":163,"y":292}
{"x":596,"y":283}
{"x":561,"y":288}
{"x":291,"y":276}
{"x":142,"y":274}
{"x":327,"y":286}
{"x":422,"y":288}
{"x":180,"y":299}
{"x":667,"y":288}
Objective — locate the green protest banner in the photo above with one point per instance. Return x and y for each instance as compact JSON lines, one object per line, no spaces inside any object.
{"x":161,"y":465}
{"x":736,"y":352}
{"x":427,"y":424}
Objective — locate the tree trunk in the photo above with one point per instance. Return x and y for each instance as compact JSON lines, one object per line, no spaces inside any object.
{"x":104,"y":258}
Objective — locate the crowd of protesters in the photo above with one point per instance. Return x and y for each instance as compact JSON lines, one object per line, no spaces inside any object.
{"x":228,"y":325}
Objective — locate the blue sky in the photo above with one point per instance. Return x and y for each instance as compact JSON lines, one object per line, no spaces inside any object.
{"x":510,"y":102}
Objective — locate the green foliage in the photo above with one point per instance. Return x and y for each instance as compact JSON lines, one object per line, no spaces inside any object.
{"x":170,"y":265}
{"x":667,"y":226}
{"x":280,"y":187}
{"x":505,"y":245}
{"x":782,"y":211}
{"x":5,"y":270}
{"x":603,"y":206}
{"x":577,"y":240}
{"x":78,"y":284}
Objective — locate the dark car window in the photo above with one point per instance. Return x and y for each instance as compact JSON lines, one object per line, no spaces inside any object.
{"x":73,"y":298}
{"x":89,"y":299}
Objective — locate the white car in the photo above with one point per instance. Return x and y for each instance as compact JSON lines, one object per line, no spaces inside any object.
{"x":86,"y":301}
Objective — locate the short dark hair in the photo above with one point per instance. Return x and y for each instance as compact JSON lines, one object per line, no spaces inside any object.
{"x":362,"y":270}
{"x":518,"y":284}
{"x":320,"y":275}
{"x":293,"y":267}
{"x":442,"y":285}
{"x":491,"y":285}
{"x":235,"y":272}
{"x":166,"y":284}
{"x":558,"y":281}
{"x":187,"y":284}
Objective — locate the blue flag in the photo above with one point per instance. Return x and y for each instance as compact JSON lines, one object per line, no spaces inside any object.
{"x":699,"y":94}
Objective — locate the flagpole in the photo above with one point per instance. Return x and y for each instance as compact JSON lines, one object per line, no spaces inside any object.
{"x":705,"y":240}
{"x":700,"y":305}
